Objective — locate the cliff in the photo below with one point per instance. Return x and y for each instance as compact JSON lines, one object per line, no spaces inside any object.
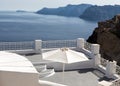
{"x":107,"y":34}
{"x":69,"y":10}
{"x":100,"y":13}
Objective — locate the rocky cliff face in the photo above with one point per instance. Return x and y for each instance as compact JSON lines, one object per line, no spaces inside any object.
{"x":107,"y":34}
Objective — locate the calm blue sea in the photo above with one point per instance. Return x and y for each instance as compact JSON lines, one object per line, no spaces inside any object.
{"x":24,"y":26}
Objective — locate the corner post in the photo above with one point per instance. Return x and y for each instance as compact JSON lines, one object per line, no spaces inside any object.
{"x":80,"y":43}
{"x":38,"y":46}
{"x":110,"y":69}
{"x":95,"y":51}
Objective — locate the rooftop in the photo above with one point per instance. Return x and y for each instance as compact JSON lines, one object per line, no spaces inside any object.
{"x":15,"y":62}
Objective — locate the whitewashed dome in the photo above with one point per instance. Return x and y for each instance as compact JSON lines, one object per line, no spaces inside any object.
{"x":14,"y":62}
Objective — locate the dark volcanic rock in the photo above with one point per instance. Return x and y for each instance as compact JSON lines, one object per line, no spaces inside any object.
{"x":107,"y":34}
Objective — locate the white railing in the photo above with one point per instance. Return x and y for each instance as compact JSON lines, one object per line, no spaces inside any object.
{"x":16,"y":45}
{"x":116,"y":82}
{"x":103,"y":62}
{"x":59,"y":44}
{"x":44,"y":45}
{"x":31,"y":44}
{"x":87,"y":46}
{"x":118,"y":69}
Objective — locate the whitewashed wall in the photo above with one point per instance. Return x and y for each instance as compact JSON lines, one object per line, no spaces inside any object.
{"x":8,"y":78}
{"x":79,"y":65}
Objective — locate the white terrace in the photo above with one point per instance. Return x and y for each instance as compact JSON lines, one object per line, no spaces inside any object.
{"x":33,"y":51}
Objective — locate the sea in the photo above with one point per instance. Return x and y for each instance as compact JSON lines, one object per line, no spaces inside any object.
{"x":29,"y":26}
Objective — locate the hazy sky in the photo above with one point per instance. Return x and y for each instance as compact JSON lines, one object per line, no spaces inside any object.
{"x":34,"y":5}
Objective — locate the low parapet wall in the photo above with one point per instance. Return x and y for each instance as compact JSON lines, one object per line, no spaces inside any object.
{"x":79,"y":65}
{"x":23,"y":52}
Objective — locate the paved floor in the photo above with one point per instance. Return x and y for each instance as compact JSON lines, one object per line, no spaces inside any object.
{"x":34,"y":58}
{"x":83,"y":77}
{"x":75,"y":78}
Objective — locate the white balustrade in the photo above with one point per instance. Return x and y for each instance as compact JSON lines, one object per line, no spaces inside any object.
{"x":95,"y":48}
{"x":87,"y":46}
{"x":116,"y":82}
{"x":110,"y":69}
{"x":58,"y":44}
{"x":16,"y":45}
{"x":38,"y":46}
{"x":80,"y":43}
{"x":118,"y":69}
{"x":103,"y":62}
{"x":97,"y":59}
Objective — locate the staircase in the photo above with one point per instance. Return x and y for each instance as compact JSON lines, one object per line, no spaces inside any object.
{"x":43,"y":70}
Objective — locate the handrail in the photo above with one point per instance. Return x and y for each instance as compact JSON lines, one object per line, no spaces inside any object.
{"x":45,"y":45}
{"x":16,"y":45}
{"x":59,"y":44}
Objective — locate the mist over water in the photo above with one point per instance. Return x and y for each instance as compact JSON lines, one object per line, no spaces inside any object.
{"x":24,"y":26}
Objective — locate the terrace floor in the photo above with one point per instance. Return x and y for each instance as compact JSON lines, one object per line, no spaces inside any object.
{"x":35,"y":58}
{"x":82,"y":77}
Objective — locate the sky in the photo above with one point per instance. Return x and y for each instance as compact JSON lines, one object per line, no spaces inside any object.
{"x":35,"y":5}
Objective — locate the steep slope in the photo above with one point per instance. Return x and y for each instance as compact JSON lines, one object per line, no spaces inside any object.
{"x":100,"y":13}
{"x":69,"y":10}
{"x":107,"y":34}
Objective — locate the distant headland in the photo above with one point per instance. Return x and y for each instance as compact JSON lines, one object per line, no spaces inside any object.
{"x":84,"y":11}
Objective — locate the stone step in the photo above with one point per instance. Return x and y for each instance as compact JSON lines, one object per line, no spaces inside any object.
{"x":40,"y":67}
{"x":46,"y":73}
